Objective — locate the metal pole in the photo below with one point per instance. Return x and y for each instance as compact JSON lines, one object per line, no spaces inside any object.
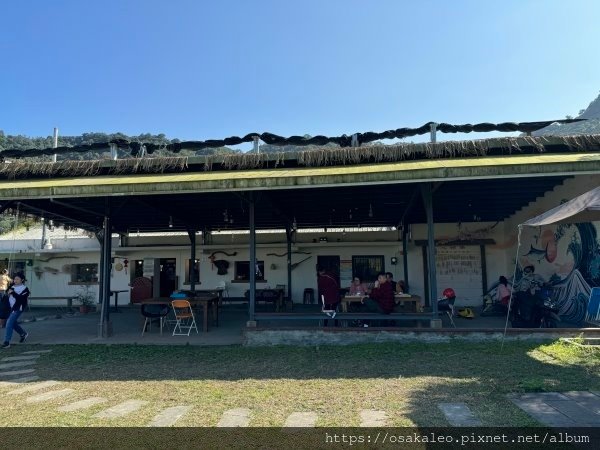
{"x":428,"y":200}
{"x":252,"y":262}
{"x":288,"y":235}
{"x":256,"y":146}
{"x":192,"y":269}
{"x":55,"y":143}
{"x":105,"y":263}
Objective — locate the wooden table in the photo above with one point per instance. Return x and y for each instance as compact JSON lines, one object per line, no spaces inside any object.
{"x":206,"y":302}
{"x":415,"y":300}
{"x":116,"y":294}
{"x":399,"y":299}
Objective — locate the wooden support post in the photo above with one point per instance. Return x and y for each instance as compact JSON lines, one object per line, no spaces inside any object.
{"x":288,"y":236}
{"x":426,"y":191}
{"x":192,"y":268}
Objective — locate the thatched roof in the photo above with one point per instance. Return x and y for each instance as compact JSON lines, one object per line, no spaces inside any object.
{"x":319,"y":157}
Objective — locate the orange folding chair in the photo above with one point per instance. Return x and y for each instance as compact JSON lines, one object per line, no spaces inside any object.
{"x":184,"y":318}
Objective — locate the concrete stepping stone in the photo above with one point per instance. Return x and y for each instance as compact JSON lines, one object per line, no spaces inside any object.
{"x":49,"y":396}
{"x":169,"y":416}
{"x":372,"y":418}
{"x":16,"y":372}
{"x":16,"y":364}
{"x":238,"y":417}
{"x":575,"y":412}
{"x":543,"y":412}
{"x":20,"y":358}
{"x":301,"y":419}
{"x":122,"y":409}
{"x":18,"y":381}
{"x":586,"y":399}
{"x":31,"y":352}
{"x":34,"y":387}
{"x":459,"y":415}
{"x":82,"y":404}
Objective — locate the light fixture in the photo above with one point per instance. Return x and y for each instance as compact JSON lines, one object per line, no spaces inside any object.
{"x":350,"y":214}
{"x":225,"y":216}
{"x":370,"y":210}
{"x":294,"y":224}
{"x":170,"y":221}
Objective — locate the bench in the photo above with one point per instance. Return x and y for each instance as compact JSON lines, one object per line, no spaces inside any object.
{"x":344,"y":316}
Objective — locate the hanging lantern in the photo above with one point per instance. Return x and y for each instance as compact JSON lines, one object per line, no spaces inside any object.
{"x":125,"y":264}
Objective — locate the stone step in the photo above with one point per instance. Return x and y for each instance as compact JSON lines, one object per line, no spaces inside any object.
{"x":459,"y":415}
{"x":34,"y":387}
{"x":301,"y":419}
{"x":122,"y":409}
{"x":51,"y":395}
{"x":372,"y":418}
{"x":31,"y":352}
{"x":238,"y":417}
{"x":169,"y":416}
{"x":82,"y":404}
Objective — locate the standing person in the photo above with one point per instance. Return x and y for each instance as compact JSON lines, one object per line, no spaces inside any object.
{"x":18,"y":294}
{"x":4,"y":306}
{"x":4,"y":281}
{"x":329,"y":289}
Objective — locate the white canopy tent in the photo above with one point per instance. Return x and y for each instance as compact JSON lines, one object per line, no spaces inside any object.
{"x":585,"y":208}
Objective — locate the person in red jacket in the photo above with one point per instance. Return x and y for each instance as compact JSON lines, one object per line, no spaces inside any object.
{"x":330,"y":290}
{"x":381,"y":299}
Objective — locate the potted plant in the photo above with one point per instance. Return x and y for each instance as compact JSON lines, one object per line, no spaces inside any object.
{"x":86,"y":300}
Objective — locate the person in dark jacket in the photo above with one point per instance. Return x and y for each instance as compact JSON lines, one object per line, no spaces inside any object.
{"x":381,"y":299}
{"x":329,"y":289}
{"x":18,"y":294}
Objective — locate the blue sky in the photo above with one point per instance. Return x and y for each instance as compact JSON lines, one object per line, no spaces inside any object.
{"x":210,"y":69}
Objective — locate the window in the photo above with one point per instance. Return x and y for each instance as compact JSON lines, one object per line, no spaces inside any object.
{"x":17,"y":265}
{"x":84,"y":273}
{"x":242,"y":271}
{"x":196,"y":271}
{"x":367,"y":267}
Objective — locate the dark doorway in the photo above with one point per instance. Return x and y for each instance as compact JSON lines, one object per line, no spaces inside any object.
{"x":168,"y":276}
{"x":331,"y":264}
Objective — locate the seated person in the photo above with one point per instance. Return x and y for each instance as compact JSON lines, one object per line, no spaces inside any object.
{"x":503,"y":292}
{"x":381,"y":299}
{"x":447,"y":302}
{"x":357,"y":288}
{"x":529,"y":285}
{"x":390,"y":279}
{"x":401,"y":287}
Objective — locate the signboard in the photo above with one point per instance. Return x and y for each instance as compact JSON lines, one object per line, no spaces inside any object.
{"x":345,"y":272}
{"x":148,"y":267}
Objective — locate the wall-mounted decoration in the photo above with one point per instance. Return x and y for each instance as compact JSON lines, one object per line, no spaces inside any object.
{"x":220,"y":264}
{"x":300,"y":262}
{"x":285,"y":254}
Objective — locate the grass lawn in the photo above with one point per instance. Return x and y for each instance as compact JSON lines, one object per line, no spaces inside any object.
{"x":406,"y":381}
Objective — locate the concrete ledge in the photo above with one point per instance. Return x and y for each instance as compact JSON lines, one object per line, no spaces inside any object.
{"x":255,"y":337}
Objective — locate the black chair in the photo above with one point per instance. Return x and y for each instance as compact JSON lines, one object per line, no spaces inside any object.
{"x":152,"y":312}
{"x":309,"y":296}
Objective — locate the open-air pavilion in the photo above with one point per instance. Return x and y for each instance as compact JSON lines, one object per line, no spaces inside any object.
{"x":447,"y":182}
